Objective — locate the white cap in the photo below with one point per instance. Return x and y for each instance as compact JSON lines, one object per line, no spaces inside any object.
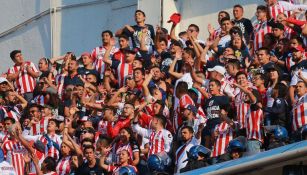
{"x":219,"y":69}
{"x":2,"y":79}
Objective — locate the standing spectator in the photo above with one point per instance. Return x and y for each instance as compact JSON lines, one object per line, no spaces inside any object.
{"x":244,"y":24}
{"x":299,"y":107}
{"x":23,"y":74}
{"x":135,"y":32}
{"x":98,"y":52}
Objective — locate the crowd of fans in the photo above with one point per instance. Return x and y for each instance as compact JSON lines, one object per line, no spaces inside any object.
{"x":165,"y":104}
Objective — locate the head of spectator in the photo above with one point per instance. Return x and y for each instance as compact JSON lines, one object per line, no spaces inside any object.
{"x":281,"y":17}
{"x":158,"y":122}
{"x":301,"y":88}
{"x":129,"y":55}
{"x":74,"y":162}
{"x":109,"y":113}
{"x":102,"y":142}
{"x":259,"y":80}
{"x":227,"y":24}
{"x":241,"y":79}
{"x":158,"y":107}
{"x":176,"y":47}
{"x":35,"y":112}
{"x":138,"y":75}
{"x":128,"y":111}
{"x":263,"y":56}
{"x":297,"y":53}
{"x":163,"y":44}
{"x":8,"y":122}
{"x":124,"y":157}
{"x":217,"y":72}
{"x":261,"y":13}
{"x":91,"y":78}
{"x":157,"y":74}
{"x":87,"y":60}
{"x":183,"y":35}
{"x":237,"y":42}
{"x":123,"y":42}
{"x":130,"y":81}
{"x":221,"y":15}
{"x":65,"y":150}
{"x":46,"y":111}
{"x":189,"y":113}
{"x":52,"y":126}
{"x":139,"y":17}
{"x":228,"y":52}
{"x":73,"y":66}
{"x":188,"y":55}
{"x":237,"y":12}
{"x":296,"y":41}
{"x":17,"y":57}
{"x":68,"y":91}
{"x":282,"y":46}
{"x":10,"y":98}
{"x":278,"y":30}
{"x":273,"y":75}
{"x":269,"y":41}
{"x":193,"y":30}
{"x":87,"y":142}
{"x":126,"y":135}
{"x":137,"y":63}
{"x":49,"y":165}
{"x":187,"y":133}
{"x":4,"y":85}
{"x":214,"y":87}
{"x":44,"y":65}
{"x":181,"y":89}
{"x":106,"y":37}
{"x":89,"y":153}
{"x":87,"y":132}
{"x":232,"y":67}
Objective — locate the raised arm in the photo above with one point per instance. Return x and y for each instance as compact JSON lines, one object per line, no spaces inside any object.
{"x":172,"y":67}
{"x":172,"y":32}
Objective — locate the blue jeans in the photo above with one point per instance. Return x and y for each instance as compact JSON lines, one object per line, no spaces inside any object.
{"x":253,"y":146}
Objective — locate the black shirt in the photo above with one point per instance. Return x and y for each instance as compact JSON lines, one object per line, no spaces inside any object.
{"x":212,"y":108}
{"x":246,"y":27}
{"x":84,"y":169}
{"x":135,"y":36}
{"x":74,"y":80}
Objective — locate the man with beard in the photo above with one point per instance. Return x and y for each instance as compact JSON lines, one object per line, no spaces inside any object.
{"x":14,"y":104}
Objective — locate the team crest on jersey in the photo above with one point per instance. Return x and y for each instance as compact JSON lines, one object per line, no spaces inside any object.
{"x":211,"y":102}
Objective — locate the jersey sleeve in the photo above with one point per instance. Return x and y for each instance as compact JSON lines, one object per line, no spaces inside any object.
{"x":94,"y":56}
{"x":290,"y":7}
{"x":141,"y":131}
{"x":168,"y":139}
{"x":115,"y":64}
{"x":33,"y":67}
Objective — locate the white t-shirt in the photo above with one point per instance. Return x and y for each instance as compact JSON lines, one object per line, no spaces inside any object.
{"x":295,"y":77}
{"x":6,"y":168}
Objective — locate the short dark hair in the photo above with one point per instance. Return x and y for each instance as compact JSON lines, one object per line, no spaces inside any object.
{"x":190,"y":51}
{"x":9,"y":119}
{"x":124,"y":37}
{"x":13,"y":53}
{"x":217,"y":82}
{"x":267,"y":51}
{"x":299,"y":40}
{"x":225,"y":19}
{"x":262,"y":8}
{"x":140,"y":12}
{"x":241,"y":73}
{"x":161,"y":118}
{"x":89,"y":147}
{"x":50,"y":163}
{"x":87,"y":140}
{"x":140,"y":69}
{"x":107,"y":31}
{"x":238,"y":6}
{"x":227,"y":14}
{"x":195,"y":26}
{"x":182,"y":33}
{"x":189,"y":128}
{"x":182,"y":87}
{"x":163,"y":40}
{"x":55,"y":121}
{"x":234,"y":62}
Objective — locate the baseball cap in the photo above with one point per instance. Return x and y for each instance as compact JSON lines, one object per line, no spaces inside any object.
{"x":175,"y":18}
{"x":298,"y":48}
{"x":191,"y":108}
{"x":2,"y":80}
{"x":218,"y":69}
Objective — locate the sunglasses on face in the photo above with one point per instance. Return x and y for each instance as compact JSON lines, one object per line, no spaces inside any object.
{"x":85,"y":131}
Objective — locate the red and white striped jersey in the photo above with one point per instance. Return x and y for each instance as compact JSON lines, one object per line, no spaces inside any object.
{"x":59,"y":80}
{"x":52,"y":151}
{"x":260,"y":30}
{"x":24,"y":82}
{"x":123,"y":70}
{"x":11,"y":111}
{"x":63,"y":166}
{"x":13,"y":150}
{"x":224,"y":135}
{"x":3,"y":137}
{"x":275,"y":10}
{"x":118,"y":148}
{"x":299,"y":111}
{"x":289,"y":32}
{"x":254,"y":121}
{"x":39,"y":128}
{"x":40,"y":99}
{"x":41,"y":157}
{"x":242,"y":108}
{"x":159,"y":141}
{"x":183,"y":102}
{"x":97,"y":55}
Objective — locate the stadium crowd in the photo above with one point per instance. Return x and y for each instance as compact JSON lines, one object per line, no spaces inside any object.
{"x":164,"y":104}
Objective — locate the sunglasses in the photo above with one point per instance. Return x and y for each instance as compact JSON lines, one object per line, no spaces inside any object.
{"x":85,"y":131}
